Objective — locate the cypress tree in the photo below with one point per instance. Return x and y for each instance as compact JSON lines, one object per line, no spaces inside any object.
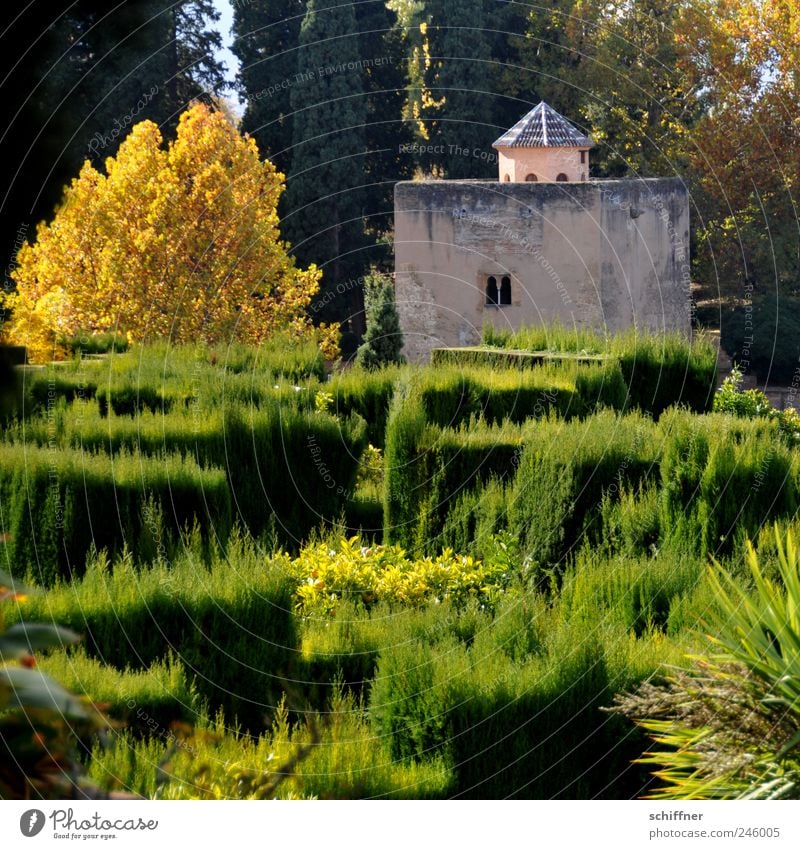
{"x":323,"y":211}
{"x":266,"y":37}
{"x":461,"y":119}
{"x":383,"y":341}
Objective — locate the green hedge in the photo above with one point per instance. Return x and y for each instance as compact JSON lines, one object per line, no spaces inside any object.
{"x":544,"y":482}
{"x":231,"y":624}
{"x":57,"y":504}
{"x":505,"y":358}
{"x":146,"y":701}
{"x":518,"y":719}
{"x":659,"y":370}
{"x":724,"y":477}
{"x":368,"y":393}
{"x":565,"y":471}
{"x":427,"y":467}
{"x":287,"y":468}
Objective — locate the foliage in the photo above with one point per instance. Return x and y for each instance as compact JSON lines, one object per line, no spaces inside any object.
{"x":230,"y":623}
{"x":456,"y":73}
{"x":345,"y":570}
{"x":383,"y":341}
{"x":110,"y":259}
{"x":722,"y":476}
{"x":43,"y":726}
{"x":658,"y":370}
{"x":728,"y":728}
{"x":515,"y":710}
{"x":78,"y":79}
{"x":323,"y":216}
{"x":145,"y":701}
{"x":762,"y":338}
{"x":59,"y":503}
{"x":731,"y":398}
{"x":329,"y":756}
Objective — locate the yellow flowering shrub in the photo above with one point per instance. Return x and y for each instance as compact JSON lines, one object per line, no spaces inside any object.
{"x":326,"y":573}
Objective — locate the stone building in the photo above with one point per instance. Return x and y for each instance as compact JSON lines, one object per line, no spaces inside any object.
{"x":541,"y":243}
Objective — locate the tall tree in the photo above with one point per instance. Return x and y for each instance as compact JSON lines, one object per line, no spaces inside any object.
{"x":460,"y":113}
{"x":745,"y":151}
{"x":387,"y":136}
{"x":323,"y":213}
{"x":640,"y":100}
{"x":79,"y":75}
{"x":266,"y":43}
{"x":180,"y":242}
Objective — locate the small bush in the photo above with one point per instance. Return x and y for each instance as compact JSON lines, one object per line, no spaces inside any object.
{"x":566,"y":470}
{"x":58,"y":504}
{"x":230,"y":625}
{"x":332,"y":756}
{"x":329,"y":572}
{"x":146,"y":701}
{"x":723,"y":476}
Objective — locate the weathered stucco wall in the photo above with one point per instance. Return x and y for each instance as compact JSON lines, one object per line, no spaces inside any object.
{"x":606,"y":254}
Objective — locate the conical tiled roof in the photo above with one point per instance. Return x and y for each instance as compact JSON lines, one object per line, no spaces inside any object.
{"x":543,"y":127}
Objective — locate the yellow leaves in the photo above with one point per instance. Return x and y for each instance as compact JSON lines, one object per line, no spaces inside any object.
{"x":384,"y":573}
{"x":175,"y":241}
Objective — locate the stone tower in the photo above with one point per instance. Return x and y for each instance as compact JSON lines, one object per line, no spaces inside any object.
{"x":543,"y":147}
{"x":543,"y":244}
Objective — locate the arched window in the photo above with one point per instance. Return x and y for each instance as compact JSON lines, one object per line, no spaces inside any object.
{"x":531,"y":178}
{"x":505,"y":292}
{"x":507,"y":178}
{"x":491,"y":292}
{"x":562,"y":178}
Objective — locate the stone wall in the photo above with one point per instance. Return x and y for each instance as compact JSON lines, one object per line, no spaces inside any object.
{"x":605,"y":254}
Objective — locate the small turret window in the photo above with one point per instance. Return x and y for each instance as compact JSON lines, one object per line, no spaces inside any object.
{"x":562,"y":178}
{"x":507,"y":178}
{"x":583,"y":157}
{"x":505,"y":292}
{"x":531,"y":178}
{"x":491,"y":292}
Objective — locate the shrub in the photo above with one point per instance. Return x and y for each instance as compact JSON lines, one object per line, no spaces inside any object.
{"x":728,"y":728}
{"x":58,"y":504}
{"x":637,"y":594}
{"x":564,"y":472}
{"x":284,"y":465}
{"x":368,"y":393}
{"x":383,"y":340}
{"x":659,"y":370}
{"x":230,"y":625}
{"x":515,"y":718}
{"x":147,"y":701}
{"x":332,"y":756}
{"x":505,"y":358}
{"x":722,"y":476}
{"x":329,"y":572}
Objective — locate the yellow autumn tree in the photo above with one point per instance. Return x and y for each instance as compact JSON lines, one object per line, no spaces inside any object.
{"x":179,"y":242}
